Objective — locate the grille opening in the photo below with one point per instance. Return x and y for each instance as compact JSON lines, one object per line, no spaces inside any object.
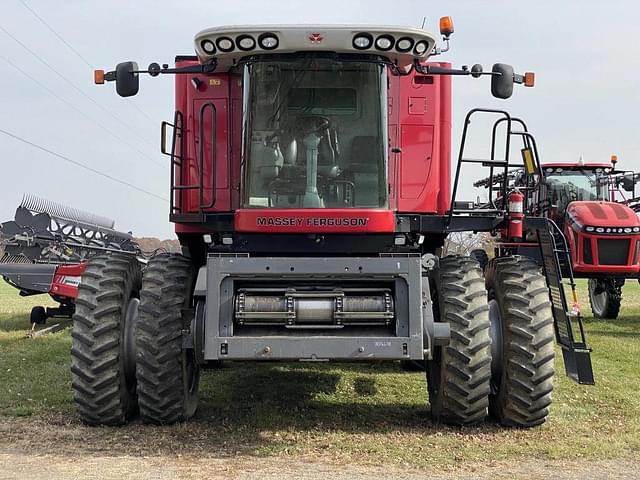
{"x":588,"y":254}
{"x":613,"y":251}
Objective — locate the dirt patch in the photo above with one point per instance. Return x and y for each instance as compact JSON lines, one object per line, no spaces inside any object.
{"x":16,"y":464}
{"x":62,"y":448}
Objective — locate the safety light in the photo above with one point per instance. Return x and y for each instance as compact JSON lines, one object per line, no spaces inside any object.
{"x":404,"y":44}
{"x":268,"y":41}
{"x":589,"y":229}
{"x":636,"y":229}
{"x":446,"y":26}
{"x":600,"y":230}
{"x":627,"y":230}
{"x":225,"y":44}
{"x":245,"y":42}
{"x":420,"y":48}
{"x":529,"y":79}
{"x":208,"y":47}
{"x":614,"y":160}
{"x":362,"y":41}
{"x":384,"y":42}
{"x":98,"y":77}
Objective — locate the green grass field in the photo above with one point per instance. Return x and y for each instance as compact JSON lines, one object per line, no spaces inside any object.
{"x":365,"y":414}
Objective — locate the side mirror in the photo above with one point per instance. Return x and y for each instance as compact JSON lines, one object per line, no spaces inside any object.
{"x":502,"y":84}
{"x":127,"y":80}
{"x":629,"y":182}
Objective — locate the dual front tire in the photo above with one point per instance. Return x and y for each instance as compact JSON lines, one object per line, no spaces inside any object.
{"x":127,"y":354}
{"x":500,"y":357}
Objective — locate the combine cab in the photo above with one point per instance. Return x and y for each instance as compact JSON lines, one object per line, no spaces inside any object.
{"x":310,"y":189}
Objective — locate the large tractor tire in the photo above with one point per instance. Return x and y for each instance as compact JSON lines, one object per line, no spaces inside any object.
{"x":458,"y":376}
{"x":522,"y":342}
{"x":167,"y":373}
{"x":605,"y":297}
{"x":102,"y":350}
{"x":480,"y":256}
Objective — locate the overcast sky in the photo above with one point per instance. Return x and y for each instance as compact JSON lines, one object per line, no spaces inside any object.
{"x":586,"y":56}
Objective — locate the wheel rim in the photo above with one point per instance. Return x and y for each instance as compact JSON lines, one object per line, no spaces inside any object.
{"x":495,"y":331}
{"x":433,"y":366}
{"x":598,"y":296}
{"x":191,"y":355}
{"x":192,"y":371}
{"x":129,"y":342}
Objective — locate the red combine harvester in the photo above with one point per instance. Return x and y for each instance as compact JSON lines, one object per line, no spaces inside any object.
{"x":46,"y":247}
{"x":586,"y":202}
{"x":310,"y":189}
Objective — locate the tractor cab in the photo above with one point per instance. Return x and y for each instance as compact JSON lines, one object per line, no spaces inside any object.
{"x":603,"y":233}
{"x":569,"y":182}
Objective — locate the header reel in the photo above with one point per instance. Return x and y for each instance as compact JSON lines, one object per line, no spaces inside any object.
{"x":48,"y":232}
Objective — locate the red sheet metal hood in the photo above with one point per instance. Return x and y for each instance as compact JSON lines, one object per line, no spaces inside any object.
{"x":602,"y":214}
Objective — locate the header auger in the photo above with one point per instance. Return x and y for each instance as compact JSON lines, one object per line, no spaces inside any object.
{"x":310,"y":189}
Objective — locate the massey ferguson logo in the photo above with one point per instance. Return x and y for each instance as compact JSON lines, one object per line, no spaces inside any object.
{"x":311,"y":222}
{"x":316,"y":38}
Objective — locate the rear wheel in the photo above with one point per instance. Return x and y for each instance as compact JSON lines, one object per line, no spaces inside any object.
{"x":102,"y":357}
{"x":522,"y":341}
{"x":167,"y":373}
{"x":605,"y":297}
{"x":458,"y":375}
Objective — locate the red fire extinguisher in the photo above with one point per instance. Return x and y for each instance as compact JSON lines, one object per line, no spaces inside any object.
{"x":515,"y":214}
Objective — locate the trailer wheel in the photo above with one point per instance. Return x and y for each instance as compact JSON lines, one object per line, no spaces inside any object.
{"x":102,"y":356}
{"x":167,"y":373}
{"x":38,"y":315}
{"x":605,"y":297}
{"x":458,"y":376}
{"x":522,"y":335}
{"x":480,"y":256}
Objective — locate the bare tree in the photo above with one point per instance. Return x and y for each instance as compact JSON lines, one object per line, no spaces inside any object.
{"x":462,"y":243}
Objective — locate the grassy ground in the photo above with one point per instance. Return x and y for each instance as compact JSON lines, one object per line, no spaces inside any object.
{"x":365,"y":414}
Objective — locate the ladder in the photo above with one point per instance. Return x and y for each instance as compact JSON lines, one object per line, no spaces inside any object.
{"x":576,"y":353}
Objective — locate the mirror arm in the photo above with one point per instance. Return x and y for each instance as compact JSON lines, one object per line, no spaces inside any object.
{"x":475,"y":71}
{"x":517,"y":78}
{"x":154,"y":70}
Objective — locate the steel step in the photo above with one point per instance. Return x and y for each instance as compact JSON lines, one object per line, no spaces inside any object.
{"x":577,"y":356}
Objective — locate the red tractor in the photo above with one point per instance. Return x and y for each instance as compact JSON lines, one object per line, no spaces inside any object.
{"x":310,"y":190}
{"x":600,"y":224}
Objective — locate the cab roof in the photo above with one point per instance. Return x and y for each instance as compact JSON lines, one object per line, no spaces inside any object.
{"x":575,"y":165}
{"x":228,"y":44}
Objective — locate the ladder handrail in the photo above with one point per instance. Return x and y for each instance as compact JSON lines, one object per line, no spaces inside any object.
{"x":461,"y":157}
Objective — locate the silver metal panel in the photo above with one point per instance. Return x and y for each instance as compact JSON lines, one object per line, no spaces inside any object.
{"x":316,"y":348}
{"x":222,"y":273}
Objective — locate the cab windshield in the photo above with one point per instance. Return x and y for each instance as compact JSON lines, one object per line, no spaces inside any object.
{"x":568,"y":185}
{"x":315,"y":133}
